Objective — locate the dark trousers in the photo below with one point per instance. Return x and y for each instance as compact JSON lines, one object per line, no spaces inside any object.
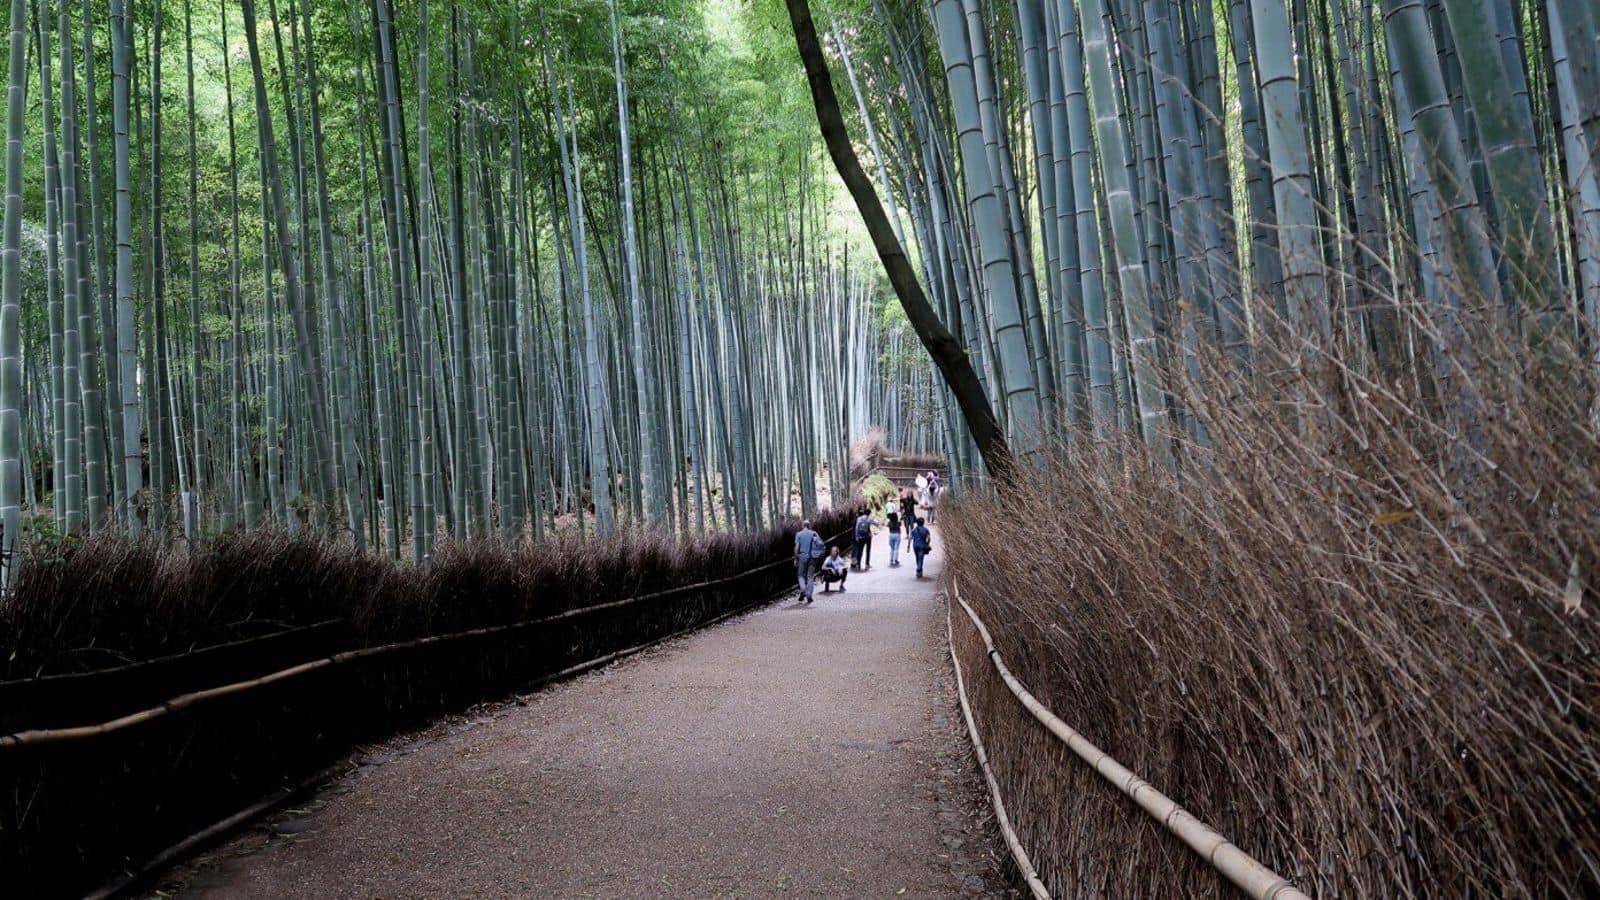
{"x":922,"y":553}
{"x":832,"y":578}
{"x":864,"y":552}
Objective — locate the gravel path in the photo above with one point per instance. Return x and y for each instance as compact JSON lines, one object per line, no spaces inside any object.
{"x":797,"y":751}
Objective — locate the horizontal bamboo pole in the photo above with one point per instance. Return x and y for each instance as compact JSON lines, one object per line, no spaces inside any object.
{"x":1018,"y":852}
{"x":1239,"y":867}
{"x":191,"y":653}
{"x":36,"y":737}
{"x":183,"y":701}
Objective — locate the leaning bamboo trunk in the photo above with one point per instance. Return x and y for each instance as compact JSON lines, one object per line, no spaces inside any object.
{"x":1505,"y":130}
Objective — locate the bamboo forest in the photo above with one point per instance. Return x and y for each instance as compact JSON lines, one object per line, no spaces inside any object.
{"x":437,"y":438}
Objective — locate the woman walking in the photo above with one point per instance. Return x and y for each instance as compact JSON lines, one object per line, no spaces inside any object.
{"x":892,"y":517}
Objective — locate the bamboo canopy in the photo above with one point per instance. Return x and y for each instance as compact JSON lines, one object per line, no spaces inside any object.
{"x":394,"y":274}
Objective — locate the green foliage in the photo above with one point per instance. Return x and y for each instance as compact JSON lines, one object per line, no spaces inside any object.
{"x":44,"y":541}
{"x":877,"y":490}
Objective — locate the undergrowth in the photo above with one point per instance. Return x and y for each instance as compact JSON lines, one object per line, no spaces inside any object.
{"x":1356,"y":633}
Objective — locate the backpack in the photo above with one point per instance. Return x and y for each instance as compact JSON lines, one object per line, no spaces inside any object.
{"x":814,"y":548}
{"x":863,"y":529}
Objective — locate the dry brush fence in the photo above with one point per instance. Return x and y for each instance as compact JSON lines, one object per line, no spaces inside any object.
{"x":364,"y":650}
{"x":1371,"y":659}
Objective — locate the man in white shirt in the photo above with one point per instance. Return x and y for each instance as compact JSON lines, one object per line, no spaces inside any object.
{"x":835,"y":569}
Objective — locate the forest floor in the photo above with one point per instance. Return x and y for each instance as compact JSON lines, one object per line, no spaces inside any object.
{"x":797,"y":751}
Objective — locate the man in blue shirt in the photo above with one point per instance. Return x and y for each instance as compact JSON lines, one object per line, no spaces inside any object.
{"x":808,"y":552}
{"x":921,"y":543}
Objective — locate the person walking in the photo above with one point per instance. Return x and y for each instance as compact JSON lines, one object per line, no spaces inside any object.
{"x":908,"y":510}
{"x":808,"y":550}
{"x":863,"y":540}
{"x":834,"y":571}
{"x":935,"y":488}
{"x":892,"y":519}
{"x":921,"y":543}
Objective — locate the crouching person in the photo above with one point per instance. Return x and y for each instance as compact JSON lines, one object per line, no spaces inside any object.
{"x":835,"y":569}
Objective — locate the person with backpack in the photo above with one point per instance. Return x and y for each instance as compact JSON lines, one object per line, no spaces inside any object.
{"x":808,"y":551}
{"x":863,"y":537}
{"x":921,"y":543}
{"x":892,"y":519}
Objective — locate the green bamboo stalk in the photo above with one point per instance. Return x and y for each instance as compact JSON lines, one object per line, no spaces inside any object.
{"x":159,"y":401}
{"x":1583,"y":182}
{"x":1465,"y":230}
{"x":1305,"y":290}
{"x":76,"y":275}
{"x":1505,"y":128}
{"x":194,"y":509}
{"x":132,"y":501}
{"x":349,"y":453}
{"x":1118,"y":195}
{"x":651,"y":491}
{"x":307,"y":350}
{"x":11,"y":384}
{"x":1020,"y":392}
{"x":61,"y":290}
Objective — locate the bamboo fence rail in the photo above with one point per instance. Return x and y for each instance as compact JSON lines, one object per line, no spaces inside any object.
{"x":1255,"y":879}
{"x":1018,"y":852}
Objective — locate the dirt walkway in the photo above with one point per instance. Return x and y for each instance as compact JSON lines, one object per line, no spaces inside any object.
{"x":811,"y":752}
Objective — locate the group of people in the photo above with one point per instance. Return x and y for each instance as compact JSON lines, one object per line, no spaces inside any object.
{"x":814,"y":560}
